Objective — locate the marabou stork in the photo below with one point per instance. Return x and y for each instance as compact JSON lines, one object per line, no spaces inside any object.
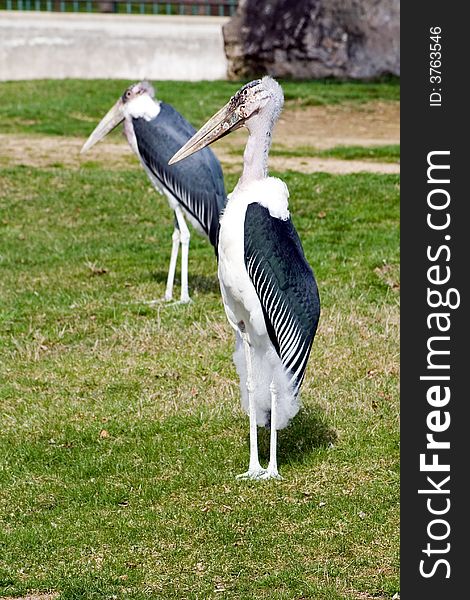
{"x":195,"y":190}
{"x":268,"y":288}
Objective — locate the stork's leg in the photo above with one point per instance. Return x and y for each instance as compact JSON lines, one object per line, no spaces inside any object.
{"x":184,"y":239}
{"x":255,"y":471}
{"x":272,"y":471}
{"x":174,"y":255}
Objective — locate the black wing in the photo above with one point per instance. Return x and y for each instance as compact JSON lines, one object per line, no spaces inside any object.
{"x":285,"y":285}
{"x":196,"y":182}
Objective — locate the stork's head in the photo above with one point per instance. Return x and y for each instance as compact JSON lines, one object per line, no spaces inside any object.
{"x":138,"y":101}
{"x":257,"y":102}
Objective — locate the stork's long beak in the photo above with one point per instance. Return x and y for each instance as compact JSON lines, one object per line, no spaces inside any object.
{"x":112,"y":118}
{"x":226,"y":120}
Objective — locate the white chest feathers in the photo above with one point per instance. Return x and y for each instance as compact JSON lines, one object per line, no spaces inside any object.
{"x":236,"y":285}
{"x":143,"y":107}
{"x":272,"y":193}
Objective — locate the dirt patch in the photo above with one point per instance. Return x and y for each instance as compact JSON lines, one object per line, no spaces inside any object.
{"x":308,"y":164}
{"x":370,"y":124}
{"x":320,"y":127}
{"x":49,"y":151}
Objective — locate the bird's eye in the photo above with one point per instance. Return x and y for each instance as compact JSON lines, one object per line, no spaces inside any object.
{"x":128,"y":94}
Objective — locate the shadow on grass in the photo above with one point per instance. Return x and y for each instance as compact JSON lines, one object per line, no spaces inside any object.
{"x":308,"y":431}
{"x":200,"y":284}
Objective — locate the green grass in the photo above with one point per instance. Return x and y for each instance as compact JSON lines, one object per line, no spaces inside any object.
{"x":385,"y":153}
{"x":120,"y":426}
{"x":151,"y":509}
{"x":73,"y":107}
{"x":330,"y":91}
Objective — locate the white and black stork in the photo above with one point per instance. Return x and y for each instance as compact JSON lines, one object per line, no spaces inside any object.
{"x":195,"y":189}
{"x":268,"y":288}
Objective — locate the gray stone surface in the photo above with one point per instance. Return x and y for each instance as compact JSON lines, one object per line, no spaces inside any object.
{"x":346,"y":39}
{"x":92,"y":46}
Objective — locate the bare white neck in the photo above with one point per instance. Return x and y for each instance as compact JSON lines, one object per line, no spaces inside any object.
{"x":255,"y":157}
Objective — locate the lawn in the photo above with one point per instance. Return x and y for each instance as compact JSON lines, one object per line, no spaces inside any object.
{"x":121,"y":430}
{"x":384,"y":153}
{"x":70,"y":107}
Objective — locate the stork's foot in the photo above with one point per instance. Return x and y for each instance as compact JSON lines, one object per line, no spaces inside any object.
{"x":256,"y":473}
{"x":155,"y":302}
{"x":167,"y":300}
{"x":270,"y":474}
{"x":184,"y":299}
{"x":178,"y":302}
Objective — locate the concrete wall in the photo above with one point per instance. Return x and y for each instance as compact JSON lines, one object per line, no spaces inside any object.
{"x":37,"y":45}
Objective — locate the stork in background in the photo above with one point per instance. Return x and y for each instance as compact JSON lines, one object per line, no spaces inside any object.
{"x":268,"y":288}
{"x":195,"y":189}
